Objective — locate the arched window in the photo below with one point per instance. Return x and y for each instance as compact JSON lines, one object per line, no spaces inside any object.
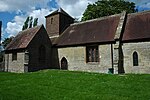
{"x":64,"y":64}
{"x":42,"y":54}
{"x":52,"y":20}
{"x":135,"y":59}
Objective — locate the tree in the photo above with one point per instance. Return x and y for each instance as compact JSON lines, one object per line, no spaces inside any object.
{"x":29,"y":23}
{"x":7,"y":41}
{"x":35,"y":22}
{"x":25,"y":26}
{"x":107,"y":7}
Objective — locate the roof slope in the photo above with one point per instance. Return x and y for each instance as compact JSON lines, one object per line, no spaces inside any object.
{"x":100,"y":30}
{"x":23,"y":38}
{"x":137,"y":27}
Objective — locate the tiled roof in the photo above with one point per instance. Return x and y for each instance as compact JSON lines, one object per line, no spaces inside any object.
{"x":100,"y":30}
{"x":137,"y":27}
{"x":60,"y":10}
{"x":23,"y":38}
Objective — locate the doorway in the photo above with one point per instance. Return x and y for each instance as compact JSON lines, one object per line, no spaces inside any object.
{"x":64,"y":64}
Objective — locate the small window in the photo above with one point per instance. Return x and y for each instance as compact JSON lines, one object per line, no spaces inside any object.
{"x":26,"y":57}
{"x":135,"y":59}
{"x":52,"y":20}
{"x":92,"y":54}
{"x":14,"y":56}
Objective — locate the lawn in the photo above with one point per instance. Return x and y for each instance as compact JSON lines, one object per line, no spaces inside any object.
{"x":67,"y":85}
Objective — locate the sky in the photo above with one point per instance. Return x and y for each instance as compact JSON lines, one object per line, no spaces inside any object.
{"x":13,"y":13}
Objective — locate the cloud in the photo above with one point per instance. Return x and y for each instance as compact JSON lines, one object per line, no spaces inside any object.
{"x":74,"y":7}
{"x":21,"y":5}
{"x":40,"y":14}
{"x":16,"y":24}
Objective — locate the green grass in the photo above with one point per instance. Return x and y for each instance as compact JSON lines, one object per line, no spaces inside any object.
{"x":66,"y":85}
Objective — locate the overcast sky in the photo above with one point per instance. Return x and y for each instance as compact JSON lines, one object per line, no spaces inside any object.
{"x":14,"y":12}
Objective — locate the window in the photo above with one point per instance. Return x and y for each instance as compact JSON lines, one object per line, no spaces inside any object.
{"x":52,"y":20}
{"x":14,"y":56}
{"x":92,"y":54}
{"x":42,"y":54}
{"x":135,"y":59}
{"x":26,"y":58}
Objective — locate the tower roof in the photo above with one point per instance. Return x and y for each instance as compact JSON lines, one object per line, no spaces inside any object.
{"x":59,"y":11}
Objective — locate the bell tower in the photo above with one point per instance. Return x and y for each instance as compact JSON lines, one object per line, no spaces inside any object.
{"x":57,"y":22}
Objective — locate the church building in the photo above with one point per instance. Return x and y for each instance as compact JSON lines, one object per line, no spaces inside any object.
{"x":118,"y":44}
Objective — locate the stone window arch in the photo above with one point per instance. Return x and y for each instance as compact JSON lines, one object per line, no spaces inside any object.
{"x":42,"y":54}
{"x":64,"y":64}
{"x":135,"y":59}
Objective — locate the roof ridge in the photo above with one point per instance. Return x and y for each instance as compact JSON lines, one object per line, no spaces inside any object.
{"x":138,"y":13}
{"x":31,"y":28}
{"x":96,"y":19}
{"x":20,"y":32}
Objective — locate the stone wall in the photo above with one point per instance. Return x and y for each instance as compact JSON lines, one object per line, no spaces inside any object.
{"x":53,"y":27}
{"x":76,"y":57}
{"x":16,"y":65}
{"x":57,"y":23}
{"x":143,"y":50}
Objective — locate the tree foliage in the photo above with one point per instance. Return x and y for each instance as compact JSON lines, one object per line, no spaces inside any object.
{"x":107,"y":7}
{"x":25,"y":26}
{"x":7,"y":41}
{"x":35,"y":22}
{"x":29,"y":23}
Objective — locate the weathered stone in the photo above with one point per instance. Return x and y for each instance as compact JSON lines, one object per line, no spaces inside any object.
{"x":76,"y":57}
{"x":143,"y":50}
